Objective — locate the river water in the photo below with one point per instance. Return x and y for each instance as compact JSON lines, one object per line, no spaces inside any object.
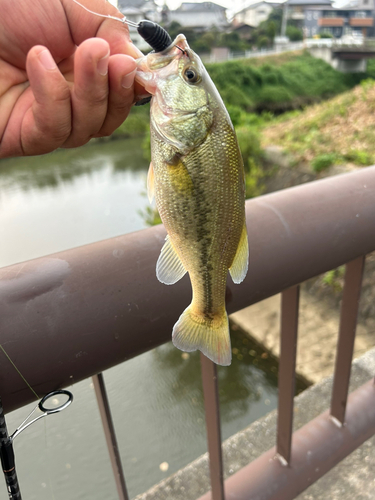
{"x":74,"y":197}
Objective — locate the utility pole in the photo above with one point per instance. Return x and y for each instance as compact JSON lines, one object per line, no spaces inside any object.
{"x":284,"y":19}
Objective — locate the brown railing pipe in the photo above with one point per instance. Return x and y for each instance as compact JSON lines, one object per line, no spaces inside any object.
{"x":316,"y":448}
{"x":73,"y":314}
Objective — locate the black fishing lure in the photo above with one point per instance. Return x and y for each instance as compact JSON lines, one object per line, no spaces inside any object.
{"x":156,"y":36}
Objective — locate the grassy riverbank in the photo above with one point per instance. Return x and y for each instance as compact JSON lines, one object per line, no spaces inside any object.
{"x":341,"y":130}
{"x":278,"y":83}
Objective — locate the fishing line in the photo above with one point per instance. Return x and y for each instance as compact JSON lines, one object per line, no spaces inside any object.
{"x":19,"y":373}
{"x":153,"y":34}
{"x":123,"y":20}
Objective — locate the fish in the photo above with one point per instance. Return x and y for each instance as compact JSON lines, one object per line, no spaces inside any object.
{"x":196,"y":176}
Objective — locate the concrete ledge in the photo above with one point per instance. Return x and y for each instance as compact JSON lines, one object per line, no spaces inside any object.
{"x":352,"y":478}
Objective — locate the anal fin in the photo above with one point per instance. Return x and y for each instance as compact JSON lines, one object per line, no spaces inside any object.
{"x":240,"y":264}
{"x":169,"y":268}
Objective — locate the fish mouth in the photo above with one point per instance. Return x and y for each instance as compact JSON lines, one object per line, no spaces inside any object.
{"x":148,"y":66}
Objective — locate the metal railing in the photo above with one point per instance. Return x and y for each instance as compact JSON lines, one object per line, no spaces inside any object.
{"x":72,"y":315}
{"x":349,"y":43}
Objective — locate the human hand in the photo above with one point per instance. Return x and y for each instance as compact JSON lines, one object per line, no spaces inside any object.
{"x":59,"y":86}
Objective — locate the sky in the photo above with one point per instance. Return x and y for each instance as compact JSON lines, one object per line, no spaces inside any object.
{"x":231,"y":5}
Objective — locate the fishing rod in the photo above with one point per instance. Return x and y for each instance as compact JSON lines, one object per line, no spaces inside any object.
{"x":6,"y":441}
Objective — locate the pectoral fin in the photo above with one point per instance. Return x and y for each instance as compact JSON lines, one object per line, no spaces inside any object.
{"x":169,"y":268}
{"x":238,"y":269}
{"x":150,"y":183}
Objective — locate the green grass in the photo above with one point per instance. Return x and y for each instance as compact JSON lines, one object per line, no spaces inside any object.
{"x":297,"y":80}
{"x":322,"y":162}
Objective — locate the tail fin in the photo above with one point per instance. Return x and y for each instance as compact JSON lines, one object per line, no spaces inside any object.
{"x":192,"y":332}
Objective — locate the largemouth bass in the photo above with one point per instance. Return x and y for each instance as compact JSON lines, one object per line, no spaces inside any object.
{"x":197,"y":177}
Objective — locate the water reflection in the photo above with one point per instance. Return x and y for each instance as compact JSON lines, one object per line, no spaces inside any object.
{"x":240,"y":385}
{"x":70,"y":198}
{"x":64,"y":165}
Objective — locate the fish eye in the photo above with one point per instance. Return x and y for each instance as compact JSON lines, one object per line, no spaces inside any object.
{"x":191,"y":75}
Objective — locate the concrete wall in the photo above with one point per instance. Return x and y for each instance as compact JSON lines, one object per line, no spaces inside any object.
{"x":342,"y":65}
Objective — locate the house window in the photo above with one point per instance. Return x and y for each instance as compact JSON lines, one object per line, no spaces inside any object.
{"x":316,"y":15}
{"x":313,"y":31}
{"x":308,"y":15}
{"x":360,"y":13}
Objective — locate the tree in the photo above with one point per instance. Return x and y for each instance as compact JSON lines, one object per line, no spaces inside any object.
{"x":294,"y":34}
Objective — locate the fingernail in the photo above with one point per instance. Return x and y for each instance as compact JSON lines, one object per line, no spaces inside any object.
{"x":103,"y":65}
{"x":128,"y":80}
{"x":47,"y":60}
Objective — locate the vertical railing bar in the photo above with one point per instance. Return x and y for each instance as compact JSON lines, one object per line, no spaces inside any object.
{"x":287,"y":371}
{"x":110,"y":435}
{"x":347,"y":330}
{"x":212,"y":410}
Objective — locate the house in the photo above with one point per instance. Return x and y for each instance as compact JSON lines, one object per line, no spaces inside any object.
{"x":199,"y":16}
{"x":254,"y":14}
{"x":244,"y":31}
{"x":357,"y":17}
{"x":319,"y":16}
{"x":135,"y":11}
{"x":296,"y":10}
{"x":148,"y":8}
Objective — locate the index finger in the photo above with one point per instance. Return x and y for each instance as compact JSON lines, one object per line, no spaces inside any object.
{"x":84,"y":24}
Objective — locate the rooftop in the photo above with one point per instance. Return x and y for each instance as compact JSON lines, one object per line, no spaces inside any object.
{"x":306,"y":3}
{"x":199,"y":7}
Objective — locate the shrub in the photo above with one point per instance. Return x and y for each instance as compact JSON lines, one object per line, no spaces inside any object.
{"x":274,"y":94}
{"x":235,"y":114}
{"x":334,"y":279}
{"x":359,"y":157}
{"x":235,"y":96}
{"x":263,"y":41}
{"x":324,"y":161}
{"x":294,"y":34}
{"x":137,"y":123}
{"x":326,"y":35}
{"x":253,"y":178}
{"x":249,"y":142}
